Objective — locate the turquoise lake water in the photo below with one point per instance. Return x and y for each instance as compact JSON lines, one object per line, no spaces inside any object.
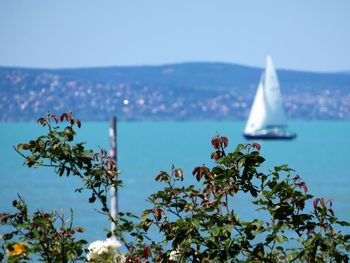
{"x":320,"y":155}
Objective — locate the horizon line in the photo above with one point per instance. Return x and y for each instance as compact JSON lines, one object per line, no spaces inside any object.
{"x":346,"y":71}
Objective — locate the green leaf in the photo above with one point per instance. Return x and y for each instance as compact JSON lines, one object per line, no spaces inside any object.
{"x":215,"y":231}
{"x":7,"y":236}
{"x":241,"y":162}
{"x":92,"y":198}
{"x":253,"y":191}
{"x":146,"y":224}
{"x":239,"y":148}
{"x":20,"y":147}
{"x":281,"y":239}
{"x":343,"y":223}
{"x":61,"y":171}
{"x":283,"y":167}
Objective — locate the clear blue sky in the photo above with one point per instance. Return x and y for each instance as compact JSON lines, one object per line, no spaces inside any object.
{"x":299,"y":34}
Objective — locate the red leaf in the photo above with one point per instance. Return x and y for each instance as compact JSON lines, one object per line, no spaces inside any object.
{"x":218,"y":141}
{"x":305,"y":188}
{"x":63,"y":116}
{"x":146,"y":252}
{"x":112,"y":164}
{"x":215,"y":155}
{"x":55,"y":118}
{"x":95,"y":157}
{"x":75,"y":121}
{"x":215,"y":142}
{"x":303,"y":185}
{"x":158,"y":213}
{"x":196,"y":173}
{"x":69,"y":116}
{"x":257,"y":146}
{"x":201,"y":171}
{"x":224,"y":140}
{"x":41,"y":121}
{"x":103,"y":153}
{"x":296,"y":178}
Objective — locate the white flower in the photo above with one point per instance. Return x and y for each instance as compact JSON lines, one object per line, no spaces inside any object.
{"x":94,"y":246}
{"x":174,"y":255}
{"x":112,"y":243}
{"x":105,"y":251}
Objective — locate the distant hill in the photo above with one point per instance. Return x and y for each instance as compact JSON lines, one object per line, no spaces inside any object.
{"x":188,"y":91}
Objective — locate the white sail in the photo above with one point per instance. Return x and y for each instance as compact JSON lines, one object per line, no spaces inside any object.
{"x":267,"y":110}
{"x":273,"y":98}
{"x":257,"y":116}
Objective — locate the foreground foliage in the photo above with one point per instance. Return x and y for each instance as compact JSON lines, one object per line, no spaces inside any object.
{"x":197,"y":223}
{"x":47,"y":234}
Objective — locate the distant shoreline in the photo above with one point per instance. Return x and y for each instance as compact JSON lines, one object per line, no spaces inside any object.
{"x":173,"y":92}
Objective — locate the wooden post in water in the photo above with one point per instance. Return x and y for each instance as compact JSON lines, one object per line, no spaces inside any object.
{"x":113,"y":154}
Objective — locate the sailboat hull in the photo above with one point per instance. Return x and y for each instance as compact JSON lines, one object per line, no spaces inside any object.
{"x":269,"y":137}
{"x":280,"y":135}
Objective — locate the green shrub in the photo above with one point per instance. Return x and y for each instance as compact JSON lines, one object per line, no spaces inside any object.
{"x":197,"y":223}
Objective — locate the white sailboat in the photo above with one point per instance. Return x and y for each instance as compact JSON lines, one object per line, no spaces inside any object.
{"x":267,"y":119}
